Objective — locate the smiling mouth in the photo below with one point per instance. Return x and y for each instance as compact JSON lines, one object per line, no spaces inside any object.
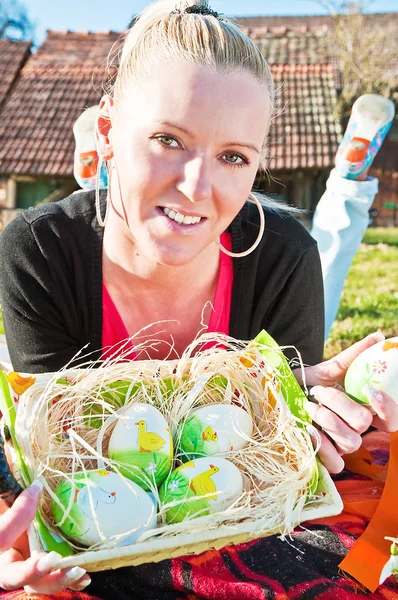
{"x":180,"y":218}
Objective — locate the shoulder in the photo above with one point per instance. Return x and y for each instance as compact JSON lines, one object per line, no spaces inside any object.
{"x":54,"y":227}
{"x":57,"y":217}
{"x":282,"y":229}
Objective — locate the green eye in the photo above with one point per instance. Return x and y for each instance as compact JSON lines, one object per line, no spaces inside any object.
{"x":166,"y":140}
{"x":233,"y":158}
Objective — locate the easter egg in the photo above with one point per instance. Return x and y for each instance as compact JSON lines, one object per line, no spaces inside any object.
{"x":102,"y":502}
{"x":142,"y":445}
{"x":377,"y":367}
{"x":215,"y":483}
{"x":214,"y":429}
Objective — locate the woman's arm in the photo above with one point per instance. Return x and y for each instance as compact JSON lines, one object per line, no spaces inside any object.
{"x":297,"y":315}
{"x":38,"y":337}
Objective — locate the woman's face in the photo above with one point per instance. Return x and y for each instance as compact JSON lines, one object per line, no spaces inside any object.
{"x":186,"y":148}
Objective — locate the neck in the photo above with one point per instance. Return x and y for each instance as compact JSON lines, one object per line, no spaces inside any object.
{"x":125,"y":268}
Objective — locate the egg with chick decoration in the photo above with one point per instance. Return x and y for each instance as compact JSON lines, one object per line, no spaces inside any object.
{"x":200,"y":487}
{"x":214,"y":429}
{"x":141,"y":445}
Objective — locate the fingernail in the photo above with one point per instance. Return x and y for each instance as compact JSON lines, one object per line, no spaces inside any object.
{"x":80,"y":586}
{"x":49,"y":562}
{"x":373,"y":394}
{"x":378,"y":336}
{"x":36,"y":488}
{"x":316,"y":392}
{"x":74,"y":574}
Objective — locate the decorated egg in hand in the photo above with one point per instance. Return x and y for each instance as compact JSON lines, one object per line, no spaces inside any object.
{"x":377,"y":367}
{"x":102,"y":502}
{"x":215,"y":483}
{"x":214,"y":429}
{"x":141,"y":442}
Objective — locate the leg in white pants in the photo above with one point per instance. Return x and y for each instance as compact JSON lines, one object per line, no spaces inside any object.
{"x":340,"y":221}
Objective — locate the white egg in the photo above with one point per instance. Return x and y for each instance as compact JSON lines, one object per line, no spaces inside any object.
{"x":141,"y":442}
{"x":215,"y":429}
{"x":215,"y":482}
{"x":377,"y":367}
{"x":103,"y":502}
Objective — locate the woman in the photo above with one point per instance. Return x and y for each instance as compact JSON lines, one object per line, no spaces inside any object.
{"x":184,"y":133}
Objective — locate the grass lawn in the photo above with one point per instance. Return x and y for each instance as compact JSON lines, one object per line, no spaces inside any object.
{"x":370,"y":297}
{"x":377,"y":235}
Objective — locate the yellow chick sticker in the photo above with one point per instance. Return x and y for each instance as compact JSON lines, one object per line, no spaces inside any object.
{"x":19,"y":384}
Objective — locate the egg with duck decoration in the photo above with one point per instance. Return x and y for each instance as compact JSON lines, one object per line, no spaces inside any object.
{"x":214,"y":429}
{"x":141,"y":445}
{"x":200,"y":487}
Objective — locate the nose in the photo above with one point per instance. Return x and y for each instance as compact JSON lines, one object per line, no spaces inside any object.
{"x":195,"y":183}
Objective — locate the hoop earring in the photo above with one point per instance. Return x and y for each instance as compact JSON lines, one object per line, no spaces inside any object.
{"x":100,"y":220}
{"x":259,"y":237}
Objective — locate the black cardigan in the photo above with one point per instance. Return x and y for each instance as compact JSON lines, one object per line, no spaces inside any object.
{"x":51,"y":283}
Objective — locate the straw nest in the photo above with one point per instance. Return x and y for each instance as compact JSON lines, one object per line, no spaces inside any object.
{"x":64,"y":425}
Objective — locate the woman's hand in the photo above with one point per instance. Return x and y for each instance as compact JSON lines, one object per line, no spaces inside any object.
{"x":341,"y":419}
{"x":39,"y":573}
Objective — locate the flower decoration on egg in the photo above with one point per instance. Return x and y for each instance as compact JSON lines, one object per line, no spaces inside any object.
{"x":380,"y":366}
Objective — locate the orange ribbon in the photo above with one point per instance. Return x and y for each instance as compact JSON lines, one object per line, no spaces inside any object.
{"x":371,"y":551}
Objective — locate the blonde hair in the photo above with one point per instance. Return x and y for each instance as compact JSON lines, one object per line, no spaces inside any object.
{"x":189,"y":30}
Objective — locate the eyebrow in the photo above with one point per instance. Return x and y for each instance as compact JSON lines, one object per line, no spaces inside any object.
{"x":251,"y":146}
{"x":240,"y":144}
{"x":170,"y":124}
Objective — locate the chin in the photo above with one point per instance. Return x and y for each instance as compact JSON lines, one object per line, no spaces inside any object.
{"x":174,"y":257}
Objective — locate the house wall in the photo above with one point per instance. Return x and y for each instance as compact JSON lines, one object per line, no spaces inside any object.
{"x":304,"y":188}
{"x":385,"y":206}
{"x":301,"y":188}
{"x":31,"y":193}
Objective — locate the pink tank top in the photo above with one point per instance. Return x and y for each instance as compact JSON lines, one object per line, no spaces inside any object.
{"x":115,"y":333}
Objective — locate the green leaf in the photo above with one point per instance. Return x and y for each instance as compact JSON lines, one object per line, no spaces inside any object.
{"x":63,"y":382}
{"x":8,"y":409}
{"x":294,"y":396}
{"x":291,"y":390}
{"x":50,"y":541}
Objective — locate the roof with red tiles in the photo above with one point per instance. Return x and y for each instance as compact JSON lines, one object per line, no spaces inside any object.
{"x":13,"y":55}
{"x":309,"y":21}
{"x":68,"y":71}
{"x":304,"y":133}
{"x":306,"y":39}
{"x":63,"y":48}
{"x":57,"y":83}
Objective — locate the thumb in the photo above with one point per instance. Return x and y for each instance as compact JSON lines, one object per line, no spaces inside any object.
{"x":16,"y":519}
{"x":333,"y":370}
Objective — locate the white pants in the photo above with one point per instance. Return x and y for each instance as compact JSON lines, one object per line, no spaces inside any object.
{"x":340,"y":221}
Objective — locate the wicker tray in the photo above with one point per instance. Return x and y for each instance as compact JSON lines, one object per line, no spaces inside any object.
{"x":157,"y":548}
